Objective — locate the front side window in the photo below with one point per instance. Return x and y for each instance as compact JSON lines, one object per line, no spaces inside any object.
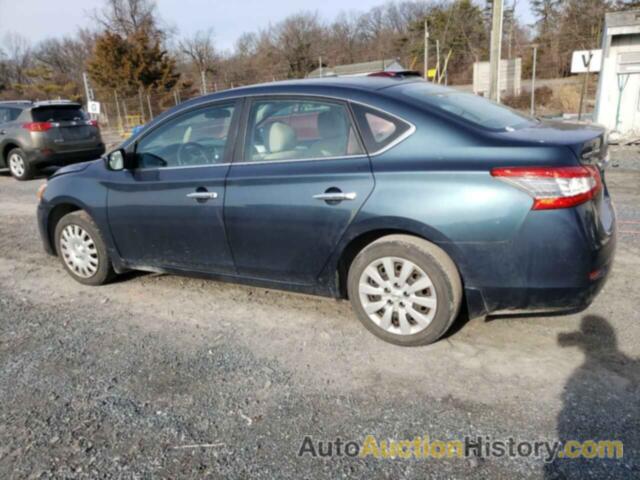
{"x":298,"y":130}
{"x":195,"y":138}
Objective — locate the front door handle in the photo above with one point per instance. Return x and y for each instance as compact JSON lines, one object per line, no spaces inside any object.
{"x":202,"y":195}
{"x":335,"y":196}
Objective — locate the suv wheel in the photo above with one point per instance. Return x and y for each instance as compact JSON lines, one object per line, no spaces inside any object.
{"x":405,"y":290}
{"x":82,"y":249}
{"x":18,"y":165}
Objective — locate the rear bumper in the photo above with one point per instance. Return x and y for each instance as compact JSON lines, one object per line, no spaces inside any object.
{"x":41,"y":157}
{"x":558,"y":262}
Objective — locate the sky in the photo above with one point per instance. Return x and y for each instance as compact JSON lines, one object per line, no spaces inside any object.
{"x":39,"y":19}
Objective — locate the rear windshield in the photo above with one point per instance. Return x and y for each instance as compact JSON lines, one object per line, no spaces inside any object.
{"x":472,"y":108}
{"x":57,"y":114}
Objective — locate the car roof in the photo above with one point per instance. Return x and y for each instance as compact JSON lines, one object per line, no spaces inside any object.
{"x":321,"y":85}
{"x":15,"y":103}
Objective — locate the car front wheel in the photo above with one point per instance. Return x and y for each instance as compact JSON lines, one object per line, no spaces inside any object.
{"x":405,"y":290}
{"x":82,"y":250}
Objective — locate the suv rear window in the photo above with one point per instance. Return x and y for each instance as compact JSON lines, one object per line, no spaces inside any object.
{"x":472,"y":108}
{"x":57,"y":114}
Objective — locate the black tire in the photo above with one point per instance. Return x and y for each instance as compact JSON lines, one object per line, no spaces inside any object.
{"x":26,"y":172}
{"x":438,"y":267}
{"x":104,"y":272}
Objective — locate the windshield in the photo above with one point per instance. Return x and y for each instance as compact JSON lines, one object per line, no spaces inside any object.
{"x":474,"y":109}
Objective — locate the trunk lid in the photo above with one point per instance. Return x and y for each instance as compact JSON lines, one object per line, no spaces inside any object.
{"x":588,"y":142}
{"x":70,"y":130}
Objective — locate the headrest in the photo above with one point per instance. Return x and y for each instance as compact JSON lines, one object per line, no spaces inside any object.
{"x":331,"y":124}
{"x":281,"y":137}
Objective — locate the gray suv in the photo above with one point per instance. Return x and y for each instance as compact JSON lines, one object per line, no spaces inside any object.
{"x":38,"y":134}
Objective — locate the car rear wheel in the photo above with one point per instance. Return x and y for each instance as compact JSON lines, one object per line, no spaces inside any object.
{"x":18,"y":165}
{"x":82,"y":249}
{"x":405,"y":290}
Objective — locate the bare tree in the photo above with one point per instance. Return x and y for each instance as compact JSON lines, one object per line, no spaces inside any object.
{"x":19,"y":57}
{"x":125,"y":17}
{"x":199,"y":50}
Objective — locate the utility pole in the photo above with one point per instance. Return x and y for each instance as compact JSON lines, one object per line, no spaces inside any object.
{"x":585,"y":82}
{"x":496,"y":50}
{"x":120,"y":124}
{"x":87,"y":89}
{"x":204,"y":82}
{"x":533,"y":80}
{"x":437,"y":61}
{"x":512,"y":21}
{"x":426,"y":51}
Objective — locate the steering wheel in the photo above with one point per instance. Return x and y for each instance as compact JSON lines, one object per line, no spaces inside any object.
{"x":192,"y":153}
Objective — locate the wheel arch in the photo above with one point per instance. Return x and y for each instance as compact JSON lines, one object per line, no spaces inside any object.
{"x":6,"y":149}
{"x":55,"y":215}
{"x":363,"y":237}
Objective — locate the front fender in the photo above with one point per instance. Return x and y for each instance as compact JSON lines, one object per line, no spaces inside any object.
{"x":89,"y":194}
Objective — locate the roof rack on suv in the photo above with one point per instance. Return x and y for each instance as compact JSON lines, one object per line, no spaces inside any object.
{"x":43,"y":103}
{"x":25,"y":102}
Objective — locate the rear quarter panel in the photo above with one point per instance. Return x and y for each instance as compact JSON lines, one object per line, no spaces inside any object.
{"x":437,"y":184}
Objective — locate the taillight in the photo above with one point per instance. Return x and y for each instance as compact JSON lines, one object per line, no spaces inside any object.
{"x":553,"y":187}
{"x":37,"y":126}
{"x":93,"y":123}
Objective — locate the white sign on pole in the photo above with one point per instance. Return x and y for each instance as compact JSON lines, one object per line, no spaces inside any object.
{"x":93,"y":107}
{"x":583,"y":61}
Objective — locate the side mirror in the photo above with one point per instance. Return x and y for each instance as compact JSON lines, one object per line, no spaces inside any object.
{"x":115,"y":160}
{"x":119,"y":160}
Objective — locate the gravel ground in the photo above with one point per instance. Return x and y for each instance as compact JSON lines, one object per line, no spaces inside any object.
{"x":159,"y":376}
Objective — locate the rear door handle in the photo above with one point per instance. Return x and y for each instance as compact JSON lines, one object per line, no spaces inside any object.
{"x":335,"y":196}
{"x":202,"y":195}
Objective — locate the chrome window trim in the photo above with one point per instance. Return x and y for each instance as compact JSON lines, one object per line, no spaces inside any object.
{"x":180,"y":167}
{"x":291,"y":160}
{"x":412,"y":129}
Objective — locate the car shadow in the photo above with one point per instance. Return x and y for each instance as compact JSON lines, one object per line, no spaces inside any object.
{"x":601,"y":401}
{"x":130,"y":275}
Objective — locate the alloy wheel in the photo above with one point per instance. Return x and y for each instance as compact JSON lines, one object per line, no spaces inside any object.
{"x":397,"y":295}
{"x":16,"y":165}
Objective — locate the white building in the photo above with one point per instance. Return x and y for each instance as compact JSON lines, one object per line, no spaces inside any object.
{"x":509,"y":79}
{"x":618,"y":97}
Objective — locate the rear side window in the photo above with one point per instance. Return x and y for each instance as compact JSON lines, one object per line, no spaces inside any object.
{"x":379,"y":130}
{"x":8,"y":114}
{"x":57,"y":114}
